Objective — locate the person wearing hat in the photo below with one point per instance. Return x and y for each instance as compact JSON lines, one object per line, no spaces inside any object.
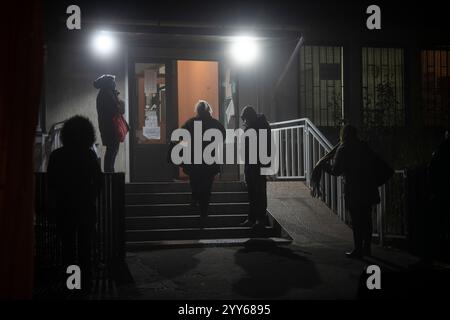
{"x":108,"y":106}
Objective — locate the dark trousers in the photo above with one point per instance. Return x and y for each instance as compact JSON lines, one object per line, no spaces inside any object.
{"x":257,"y":194}
{"x":436,"y":229}
{"x":362,"y":226}
{"x":76,"y":240}
{"x":201,"y":185}
{"x":110,"y":156}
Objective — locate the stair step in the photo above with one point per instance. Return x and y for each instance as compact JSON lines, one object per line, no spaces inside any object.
{"x":197,"y":233}
{"x":146,"y":245}
{"x":181,"y":222}
{"x":182,"y":197}
{"x":184,"y":209}
{"x":180,"y":186}
{"x":160,"y":214}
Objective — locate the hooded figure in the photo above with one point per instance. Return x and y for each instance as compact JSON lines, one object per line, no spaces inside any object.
{"x":108,"y":106}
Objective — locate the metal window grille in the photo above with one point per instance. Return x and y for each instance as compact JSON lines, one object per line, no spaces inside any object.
{"x":435,"y":87}
{"x":383,"y":87}
{"x":321,"y":84}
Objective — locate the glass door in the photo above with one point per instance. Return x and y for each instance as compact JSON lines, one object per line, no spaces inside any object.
{"x":153,"y":117}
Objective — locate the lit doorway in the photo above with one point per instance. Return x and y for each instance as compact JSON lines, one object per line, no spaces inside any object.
{"x":196,"y":80}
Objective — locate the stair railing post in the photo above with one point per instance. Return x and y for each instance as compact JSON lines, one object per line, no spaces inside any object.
{"x":307,"y":156}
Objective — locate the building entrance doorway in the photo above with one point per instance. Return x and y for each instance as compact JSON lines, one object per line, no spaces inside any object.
{"x":163,"y":95}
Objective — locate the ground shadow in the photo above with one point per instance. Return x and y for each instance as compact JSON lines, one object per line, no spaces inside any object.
{"x":152,"y":269}
{"x":271,"y":270}
{"x":171,"y":263}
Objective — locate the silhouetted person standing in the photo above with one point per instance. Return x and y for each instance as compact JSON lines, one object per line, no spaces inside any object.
{"x":108,"y":106}
{"x":74,"y":180}
{"x":438,"y":219}
{"x":256,"y":182}
{"x":354,"y":160}
{"x":201,"y":176}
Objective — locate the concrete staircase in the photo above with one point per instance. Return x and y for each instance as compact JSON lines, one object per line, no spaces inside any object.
{"x":159,"y":215}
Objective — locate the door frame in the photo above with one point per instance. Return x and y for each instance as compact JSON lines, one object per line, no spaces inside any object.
{"x":132,"y":102}
{"x":138,"y":55}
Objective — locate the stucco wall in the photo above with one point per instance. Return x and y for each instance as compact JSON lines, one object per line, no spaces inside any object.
{"x":257,"y":83}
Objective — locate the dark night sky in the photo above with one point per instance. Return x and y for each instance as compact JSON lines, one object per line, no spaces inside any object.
{"x":277,"y":12}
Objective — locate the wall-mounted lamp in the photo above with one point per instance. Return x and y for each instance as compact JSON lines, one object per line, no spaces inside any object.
{"x":244,"y":50}
{"x":104,"y":43}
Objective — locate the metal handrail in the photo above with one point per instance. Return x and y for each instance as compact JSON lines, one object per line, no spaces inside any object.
{"x":49,"y":141}
{"x":300,"y":146}
{"x":308,"y":123}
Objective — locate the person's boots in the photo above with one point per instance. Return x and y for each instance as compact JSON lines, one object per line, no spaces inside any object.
{"x":367,"y":250}
{"x":203,"y":214}
{"x":259,"y":225}
{"x":356,"y":253}
{"x":247,"y":223}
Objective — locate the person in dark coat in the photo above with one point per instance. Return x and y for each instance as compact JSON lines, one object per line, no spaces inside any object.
{"x":355,"y":161}
{"x":74,"y":181}
{"x":108,"y":106}
{"x":437,"y":221}
{"x":256,"y":182}
{"x":201,"y":176}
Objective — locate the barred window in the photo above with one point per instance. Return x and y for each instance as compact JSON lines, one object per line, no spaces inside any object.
{"x":383,"y":87}
{"x":435,"y":87}
{"x":321,"y":94}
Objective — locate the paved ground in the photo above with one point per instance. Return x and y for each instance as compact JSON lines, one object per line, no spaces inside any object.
{"x":312,"y":267}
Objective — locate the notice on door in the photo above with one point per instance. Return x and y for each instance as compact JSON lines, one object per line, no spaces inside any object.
{"x":151,"y":130}
{"x":152,"y":133}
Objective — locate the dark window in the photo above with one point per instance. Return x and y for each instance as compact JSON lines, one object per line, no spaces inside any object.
{"x":321,"y":84}
{"x":383,"y":87}
{"x":435,"y":87}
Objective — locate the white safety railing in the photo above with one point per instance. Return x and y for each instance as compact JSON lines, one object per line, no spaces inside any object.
{"x":300,"y":146}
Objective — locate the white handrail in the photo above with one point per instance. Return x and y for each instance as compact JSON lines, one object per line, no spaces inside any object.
{"x":308,"y":123}
{"x":301,"y":145}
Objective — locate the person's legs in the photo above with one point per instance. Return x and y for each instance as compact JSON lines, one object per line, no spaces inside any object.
{"x":110,"y":157}
{"x":431,"y":234}
{"x":355,"y":214}
{"x":195,"y":183}
{"x":252,"y":189}
{"x":205,"y":194}
{"x":366,"y":217}
{"x":261,"y":199}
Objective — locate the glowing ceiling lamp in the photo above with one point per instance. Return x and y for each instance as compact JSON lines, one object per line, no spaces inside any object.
{"x":244,"y":50}
{"x":104,"y":43}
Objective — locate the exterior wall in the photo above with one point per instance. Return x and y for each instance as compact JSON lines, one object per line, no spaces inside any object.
{"x":71,"y":69}
{"x":257,"y":83}
{"x":70,"y":72}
